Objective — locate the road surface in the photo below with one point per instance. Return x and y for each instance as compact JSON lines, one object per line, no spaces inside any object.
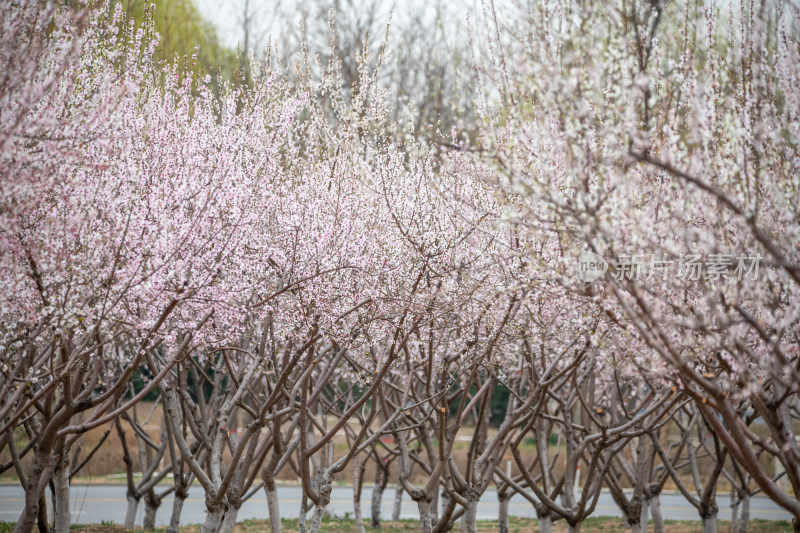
{"x":92,"y":504}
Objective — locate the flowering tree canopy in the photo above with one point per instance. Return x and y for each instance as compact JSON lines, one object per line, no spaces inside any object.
{"x":616,"y":253}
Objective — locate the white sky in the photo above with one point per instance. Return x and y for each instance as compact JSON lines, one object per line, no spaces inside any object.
{"x":272,"y":16}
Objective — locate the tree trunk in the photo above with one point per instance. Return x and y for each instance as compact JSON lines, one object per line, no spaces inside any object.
{"x":229,"y":520}
{"x":708,"y":513}
{"x":435,"y":507}
{"x":745,"y":518}
{"x":177,"y":509}
{"x":634,"y":518}
{"x":301,"y":522}
{"x":655,"y":510}
{"x":130,"y":516}
{"x":213,"y":519}
{"x":272,"y":507}
{"x":321,"y":505}
{"x":645,"y":515}
{"x":734,"y":510}
{"x":358,"y":471}
{"x":28,"y":516}
{"x":41,"y":518}
{"x":445,"y":499}
{"x":61,"y":511}
{"x":574,"y":528}
{"x":357,"y":515}
{"x":316,"y":519}
{"x":375,"y":507}
{"x":425,"y":521}
{"x":150,"y":510}
{"x":502,"y":518}
{"x":545,"y":523}
{"x":710,"y":524}
{"x":398,"y":502}
{"x":470,"y":515}
{"x":42,"y":469}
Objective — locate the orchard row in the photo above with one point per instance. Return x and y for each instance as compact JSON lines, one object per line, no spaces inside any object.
{"x":284,"y":269}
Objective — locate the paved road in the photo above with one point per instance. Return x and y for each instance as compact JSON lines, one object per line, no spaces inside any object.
{"x":96,"y":503}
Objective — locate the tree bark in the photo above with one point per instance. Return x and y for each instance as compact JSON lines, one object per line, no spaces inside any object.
{"x":502,"y":518}
{"x":301,"y":522}
{"x":655,"y":510}
{"x":425,"y":519}
{"x":177,"y":509}
{"x":357,"y":514}
{"x":708,"y":515}
{"x":228,"y":520}
{"x":29,"y":514}
{"x":41,"y":518}
{"x":435,"y":507}
{"x":375,"y":507}
{"x":358,"y":471}
{"x":470,"y":514}
{"x":130,"y":515}
{"x":41,"y":472}
{"x":272,"y":507}
{"x":150,"y":510}
{"x":61,"y":483}
{"x":316,"y":519}
{"x":213,"y":519}
{"x":745,"y":517}
{"x":645,"y":522}
{"x":321,"y":505}
{"x":576,"y":528}
{"x":545,"y":523}
{"x":634,"y":518}
{"x":398,"y":502}
{"x":734,"y":511}
{"x":445,"y":499}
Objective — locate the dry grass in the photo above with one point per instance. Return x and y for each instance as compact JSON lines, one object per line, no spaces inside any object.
{"x":107,"y":460}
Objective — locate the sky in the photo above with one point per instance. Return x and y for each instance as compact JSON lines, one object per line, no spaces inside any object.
{"x":271,"y":17}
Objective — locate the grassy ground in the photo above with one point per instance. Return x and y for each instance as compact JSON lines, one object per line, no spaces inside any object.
{"x":516,"y":525}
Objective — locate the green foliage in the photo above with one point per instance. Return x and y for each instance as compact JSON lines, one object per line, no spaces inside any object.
{"x":499,"y":404}
{"x":141,"y":377}
{"x":552,"y":440}
{"x":183,"y":32}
